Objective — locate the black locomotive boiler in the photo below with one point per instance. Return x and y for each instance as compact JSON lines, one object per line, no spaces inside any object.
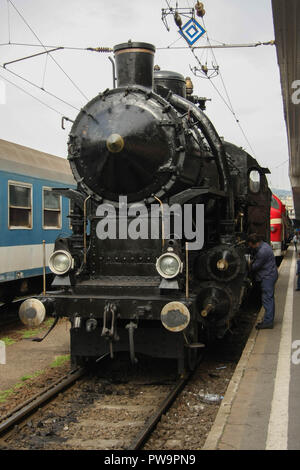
{"x":149,"y":140}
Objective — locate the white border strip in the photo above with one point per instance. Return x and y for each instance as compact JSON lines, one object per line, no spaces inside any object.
{"x":279,"y":419}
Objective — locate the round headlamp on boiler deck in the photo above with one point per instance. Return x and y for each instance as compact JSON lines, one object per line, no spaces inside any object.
{"x":60,"y":262}
{"x":169,"y":265}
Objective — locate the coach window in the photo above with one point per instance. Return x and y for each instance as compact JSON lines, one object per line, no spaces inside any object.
{"x":51,"y":209}
{"x":19,"y":205}
{"x":254,"y":181}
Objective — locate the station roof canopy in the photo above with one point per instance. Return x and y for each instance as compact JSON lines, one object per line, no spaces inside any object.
{"x":286,"y":14}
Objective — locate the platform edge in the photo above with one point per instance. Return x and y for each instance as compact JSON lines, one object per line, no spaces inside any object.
{"x":214,"y":437}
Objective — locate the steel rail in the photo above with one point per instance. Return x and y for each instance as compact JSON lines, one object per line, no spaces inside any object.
{"x":31,"y":405}
{"x":151,"y":423}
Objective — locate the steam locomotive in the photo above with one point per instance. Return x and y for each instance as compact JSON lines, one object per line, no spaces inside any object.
{"x":149,"y":142}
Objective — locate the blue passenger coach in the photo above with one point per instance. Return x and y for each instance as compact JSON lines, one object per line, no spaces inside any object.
{"x":29,"y":214}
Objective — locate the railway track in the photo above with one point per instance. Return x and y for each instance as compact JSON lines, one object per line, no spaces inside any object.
{"x":142,"y":437}
{"x":90,"y":413}
{"x":30,"y":406}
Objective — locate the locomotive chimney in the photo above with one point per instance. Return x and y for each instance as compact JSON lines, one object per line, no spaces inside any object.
{"x":134,"y":64}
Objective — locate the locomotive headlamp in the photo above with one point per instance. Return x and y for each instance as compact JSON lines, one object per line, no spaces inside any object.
{"x":169,"y":265}
{"x":273,"y":228}
{"x":222,"y":265}
{"x":60,"y":262}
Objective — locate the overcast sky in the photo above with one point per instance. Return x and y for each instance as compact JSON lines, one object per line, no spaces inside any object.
{"x":251,"y":75}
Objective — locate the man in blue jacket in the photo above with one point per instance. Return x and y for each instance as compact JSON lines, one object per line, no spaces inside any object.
{"x":265,"y":272}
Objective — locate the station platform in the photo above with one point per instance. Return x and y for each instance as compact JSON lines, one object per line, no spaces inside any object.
{"x":25,"y":358}
{"x":261,"y":408}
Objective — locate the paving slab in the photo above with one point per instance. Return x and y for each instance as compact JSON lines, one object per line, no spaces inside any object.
{"x":27,"y":357}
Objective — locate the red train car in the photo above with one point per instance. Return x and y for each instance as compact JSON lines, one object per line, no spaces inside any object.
{"x":281,"y":227}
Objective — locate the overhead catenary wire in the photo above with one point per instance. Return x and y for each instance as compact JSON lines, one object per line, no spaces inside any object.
{"x":40,"y":88}
{"x":228,"y":97}
{"x":72,"y":48}
{"x":8,"y":21}
{"x":174,"y":42}
{"x":32,"y":96}
{"x":44,"y":73}
{"x":220,"y":73}
{"x":281,"y":164}
{"x":106,"y":49}
{"x":31,"y":56}
{"x":228,"y":102}
{"x":54,"y":60}
{"x":220,"y":46}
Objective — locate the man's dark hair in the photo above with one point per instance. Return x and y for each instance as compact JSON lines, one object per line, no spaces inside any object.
{"x":254,"y":238}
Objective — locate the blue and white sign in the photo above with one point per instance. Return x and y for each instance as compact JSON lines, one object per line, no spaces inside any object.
{"x":192,"y":31}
